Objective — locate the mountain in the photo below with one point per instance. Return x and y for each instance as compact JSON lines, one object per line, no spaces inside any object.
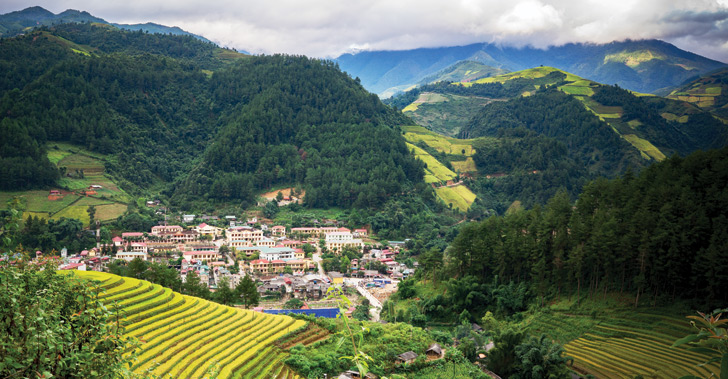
{"x":530,"y":132}
{"x":642,"y":66}
{"x":198,"y":123}
{"x":14,"y":23}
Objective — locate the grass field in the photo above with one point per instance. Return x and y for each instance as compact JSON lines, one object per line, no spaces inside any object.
{"x":182,"y":336}
{"x":461,"y":197}
{"x":616,"y":341}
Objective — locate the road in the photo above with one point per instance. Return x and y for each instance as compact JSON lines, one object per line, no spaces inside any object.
{"x":376,"y":305}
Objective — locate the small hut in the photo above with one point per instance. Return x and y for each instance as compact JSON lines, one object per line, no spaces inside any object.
{"x":407,"y":357}
{"x":434,"y":351}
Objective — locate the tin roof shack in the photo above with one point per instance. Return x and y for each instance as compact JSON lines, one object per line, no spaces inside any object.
{"x":407,"y":357}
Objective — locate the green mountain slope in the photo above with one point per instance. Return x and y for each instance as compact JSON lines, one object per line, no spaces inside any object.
{"x":196,"y":122}
{"x":548,"y":129}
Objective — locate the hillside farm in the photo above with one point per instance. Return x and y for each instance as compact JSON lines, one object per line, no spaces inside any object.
{"x":184,"y":337}
{"x":73,"y":200}
{"x":626,"y":345}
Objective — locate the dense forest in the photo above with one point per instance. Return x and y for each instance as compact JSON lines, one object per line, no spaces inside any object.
{"x":197,"y":122}
{"x":658,"y":237}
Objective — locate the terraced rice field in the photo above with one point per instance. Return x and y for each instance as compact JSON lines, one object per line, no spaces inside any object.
{"x":626,"y":346}
{"x":183,"y":337}
{"x":461,"y":197}
{"x":448,"y":145}
{"x":435,"y":171}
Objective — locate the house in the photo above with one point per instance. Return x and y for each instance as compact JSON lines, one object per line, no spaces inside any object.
{"x":243,"y":233}
{"x":205,"y":256}
{"x":265,"y":242}
{"x":132,"y":236}
{"x":208,"y":230}
{"x":407,"y":357}
{"x":188,"y":218}
{"x":434,"y":352}
{"x":360,"y":233}
{"x":278,"y":231}
{"x":268,"y":287}
{"x":118,"y":241}
{"x":337,"y":241}
{"x":131,"y":255}
{"x":159,"y":230}
{"x":260,"y":265}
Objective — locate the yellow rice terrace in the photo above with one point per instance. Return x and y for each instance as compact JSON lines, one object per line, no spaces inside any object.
{"x":186,"y":337}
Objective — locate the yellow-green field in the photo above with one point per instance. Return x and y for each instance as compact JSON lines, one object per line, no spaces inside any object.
{"x":460,"y":197}
{"x":427,"y":97}
{"x":673,"y":117}
{"x":435,"y":171}
{"x":647,"y":149}
{"x":448,"y":145}
{"x":633,"y":58}
{"x":468,"y":165}
{"x":182,"y":336}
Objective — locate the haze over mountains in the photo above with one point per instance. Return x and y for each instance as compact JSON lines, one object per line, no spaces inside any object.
{"x":642,"y":66}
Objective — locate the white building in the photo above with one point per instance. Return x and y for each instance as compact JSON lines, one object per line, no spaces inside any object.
{"x":337,"y":241}
{"x":131,"y":255}
{"x":188,"y":218}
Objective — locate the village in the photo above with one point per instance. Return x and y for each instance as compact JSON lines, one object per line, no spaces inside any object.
{"x":285,"y":262}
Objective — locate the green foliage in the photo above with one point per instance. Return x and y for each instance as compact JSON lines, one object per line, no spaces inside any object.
{"x":54,"y":325}
{"x":293,"y":304}
{"x":711,"y":339}
{"x":248,"y":292}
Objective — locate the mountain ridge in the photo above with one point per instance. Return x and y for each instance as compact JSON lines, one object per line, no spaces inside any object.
{"x":638,"y":65}
{"x":14,"y":23}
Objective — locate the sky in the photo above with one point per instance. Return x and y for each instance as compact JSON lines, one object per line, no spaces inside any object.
{"x":328,"y":28}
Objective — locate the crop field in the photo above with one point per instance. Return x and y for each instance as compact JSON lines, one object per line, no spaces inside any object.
{"x":448,"y":145}
{"x":625,"y":344}
{"x":461,"y":197}
{"x":434,"y":168}
{"x":673,"y":117}
{"x":427,"y":97}
{"x":183,"y":337}
{"x":647,"y":149}
{"x":468,"y":165}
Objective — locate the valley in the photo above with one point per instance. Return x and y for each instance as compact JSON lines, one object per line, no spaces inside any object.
{"x":508,"y":211}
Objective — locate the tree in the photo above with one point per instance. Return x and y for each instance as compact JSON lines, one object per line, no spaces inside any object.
{"x":279,"y":196}
{"x":194,"y":287}
{"x":541,"y":358}
{"x":53,"y":325}
{"x":270,"y":210}
{"x":293,"y":304}
{"x":91,"y":215}
{"x":224,"y":294}
{"x":248,"y":292}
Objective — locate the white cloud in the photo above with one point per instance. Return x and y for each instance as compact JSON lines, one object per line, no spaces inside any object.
{"x":330,"y":27}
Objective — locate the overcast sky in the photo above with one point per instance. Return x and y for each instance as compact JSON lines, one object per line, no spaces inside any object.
{"x":327,"y":28}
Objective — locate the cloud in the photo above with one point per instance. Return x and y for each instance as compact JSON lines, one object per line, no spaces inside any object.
{"x":326,"y":28}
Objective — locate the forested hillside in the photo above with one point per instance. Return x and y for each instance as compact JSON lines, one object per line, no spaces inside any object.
{"x":194,"y":121}
{"x":659,"y":236}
